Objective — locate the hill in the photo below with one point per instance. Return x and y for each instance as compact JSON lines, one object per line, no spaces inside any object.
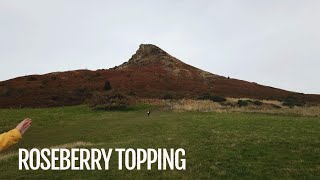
{"x":150,"y":73}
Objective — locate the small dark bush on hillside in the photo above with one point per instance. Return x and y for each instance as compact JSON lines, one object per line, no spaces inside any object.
{"x":108,"y":101}
{"x":218,"y":99}
{"x":292,"y":101}
{"x":214,"y":98}
{"x":205,"y":96}
{"x":248,"y":102}
{"x":243,"y":103}
{"x":31,"y":78}
{"x":230,"y":104}
{"x":107,"y":86}
{"x":257,"y":103}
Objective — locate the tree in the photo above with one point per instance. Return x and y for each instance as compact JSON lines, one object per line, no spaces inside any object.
{"x":108,"y":101}
{"x":107,"y":86}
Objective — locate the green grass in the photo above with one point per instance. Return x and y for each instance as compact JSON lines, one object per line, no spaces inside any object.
{"x":218,"y":145}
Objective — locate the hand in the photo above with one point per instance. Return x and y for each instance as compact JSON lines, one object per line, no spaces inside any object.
{"x":24,"y":125}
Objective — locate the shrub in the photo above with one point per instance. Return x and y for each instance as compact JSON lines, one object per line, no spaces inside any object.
{"x":205,"y":96}
{"x":230,"y":104}
{"x":243,"y":103}
{"x":213,"y":98}
{"x":108,"y":101}
{"x":292,"y":101}
{"x":107,"y":86}
{"x":249,"y":101}
{"x":31,"y":78}
{"x":218,"y":99}
{"x":257,"y":103}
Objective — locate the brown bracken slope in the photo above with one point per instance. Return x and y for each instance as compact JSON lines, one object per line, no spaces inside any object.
{"x":150,"y":73}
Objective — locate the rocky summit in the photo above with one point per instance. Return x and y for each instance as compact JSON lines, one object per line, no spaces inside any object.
{"x":149,"y":73}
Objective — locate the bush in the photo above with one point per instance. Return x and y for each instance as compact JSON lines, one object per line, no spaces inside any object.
{"x":248,"y":102}
{"x":107,"y":86}
{"x":204,"y":96}
{"x":218,"y":99}
{"x":243,"y":103}
{"x":230,"y":104}
{"x":213,"y":98}
{"x":292,"y":101}
{"x":257,"y":103}
{"x":31,"y":78}
{"x":108,"y":101}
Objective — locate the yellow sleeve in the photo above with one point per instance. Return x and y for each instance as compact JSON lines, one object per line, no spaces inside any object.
{"x":9,"y":138}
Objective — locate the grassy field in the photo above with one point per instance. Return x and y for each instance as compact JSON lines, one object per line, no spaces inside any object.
{"x":218,"y":145}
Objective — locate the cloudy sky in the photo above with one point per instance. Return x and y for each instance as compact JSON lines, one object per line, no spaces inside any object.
{"x":274,"y":42}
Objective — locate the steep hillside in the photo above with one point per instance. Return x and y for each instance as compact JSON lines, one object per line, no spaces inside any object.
{"x":150,"y":72}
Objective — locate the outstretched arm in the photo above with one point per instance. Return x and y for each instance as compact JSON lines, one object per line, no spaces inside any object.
{"x":12,"y":137}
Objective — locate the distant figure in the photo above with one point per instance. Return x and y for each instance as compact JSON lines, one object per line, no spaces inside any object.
{"x":228,"y":77}
{"x":148,"y":113}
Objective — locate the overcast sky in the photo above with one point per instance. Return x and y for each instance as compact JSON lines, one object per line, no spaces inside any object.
{"x":273,"y":42}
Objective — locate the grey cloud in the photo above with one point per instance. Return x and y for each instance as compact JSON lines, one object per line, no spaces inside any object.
{"x":270,"y":42}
